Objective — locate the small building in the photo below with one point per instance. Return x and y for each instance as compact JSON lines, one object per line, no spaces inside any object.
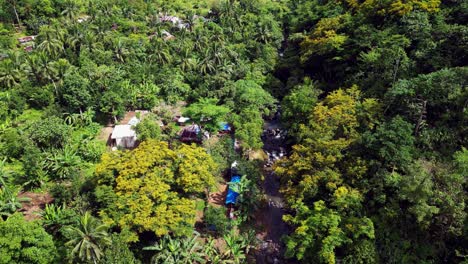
{"x":191,"y":134}
{"x":174,"y":20}
{"x":26,"y":39}
{"x":181,"y":120}
{"x":124,"y":136}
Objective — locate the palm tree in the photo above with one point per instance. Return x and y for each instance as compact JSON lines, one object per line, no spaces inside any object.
{"x":61,"y":67}
{"x":227,"y":67}
{"x":207,"y":65}
{"x":74,"y":39}
{"x":216,"y":52}
{"x":227,"y":10}
{"x":9,"y":75}
{"x":263,"y":33}
{"x":71,"y":10}
{"x":88,"y":238}
{"x":159,"y":52}
{"x":128,"y":12}
{"x":186,"y":61}
{"x":201,"y":42}
{"x":90,"y":41}
{"x":14,"y":3}
{"x":34,"y":67}
{"x":51,"y":41}
{"x":101,"y":29}
{"x":120,"y":51}
{"x":152,"y":20}
{"x":17,"y":59}
{"x":42,"y":67}
{"x":191,"y":20}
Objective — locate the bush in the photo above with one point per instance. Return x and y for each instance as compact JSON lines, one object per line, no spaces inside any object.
{"x":215,"y":217}
{"x":25,"y":242}
{"x":118,"y":252}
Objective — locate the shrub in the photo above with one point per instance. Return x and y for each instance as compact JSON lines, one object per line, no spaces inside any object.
{"x":215,"y":217}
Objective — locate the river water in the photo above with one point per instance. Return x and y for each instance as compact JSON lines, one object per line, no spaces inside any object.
{"x":271,"y":249}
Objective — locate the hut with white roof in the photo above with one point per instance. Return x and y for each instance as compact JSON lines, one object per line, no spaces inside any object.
{"x":124,"y":135}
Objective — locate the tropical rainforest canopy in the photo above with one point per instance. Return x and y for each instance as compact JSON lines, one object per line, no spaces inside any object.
{"x":372,"y":95}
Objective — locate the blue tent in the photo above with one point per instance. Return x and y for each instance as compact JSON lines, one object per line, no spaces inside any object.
{"x":232,"y":195}
{"x":224,"y":126}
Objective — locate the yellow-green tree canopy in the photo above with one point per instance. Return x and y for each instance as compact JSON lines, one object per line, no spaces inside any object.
{"x":149,"y":188}
{"x":324,"y":38}
{"x":399,"y":7}
{"x":319,"y":178}
{"x":332,"y":128}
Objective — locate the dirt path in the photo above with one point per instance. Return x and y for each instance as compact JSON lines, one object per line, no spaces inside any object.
{"x":217,"y":198}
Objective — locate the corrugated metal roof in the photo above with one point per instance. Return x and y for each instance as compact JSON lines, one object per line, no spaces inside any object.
{"x":121,"y":131}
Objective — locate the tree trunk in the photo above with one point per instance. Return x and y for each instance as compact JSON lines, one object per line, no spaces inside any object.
{"x":17,"y":17}
{"x":422,"y":115}
{"x":55,"y":86}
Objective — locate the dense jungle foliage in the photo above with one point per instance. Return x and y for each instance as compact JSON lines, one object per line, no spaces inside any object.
{"x":373,"y":96}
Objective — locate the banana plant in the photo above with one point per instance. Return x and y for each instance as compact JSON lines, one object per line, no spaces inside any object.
{"x":9,"y":200}
{"x":212,"y":254}
{"x":238,"y":246}
{"x":174,"y":251}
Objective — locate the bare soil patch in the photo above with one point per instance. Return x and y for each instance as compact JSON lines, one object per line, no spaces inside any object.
{"x":35,"y":204}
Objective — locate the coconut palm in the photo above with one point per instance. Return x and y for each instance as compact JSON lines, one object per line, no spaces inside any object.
{"x":90,"y":41}
{"x":50,"y":41}
{"x":216,"y":53}
{"x":120,"y":50}
{"x":206,"y":65}
{"x":9,"y":74}
{"x":71,"y":10}
{"x":159,"y":52}
{"x":74,"y":40}
{"x":61,"y":67}
{"x":34,"y":68}
{"x":186,"y":61}
{"x":47,"y":69}
{"x":201,"y":42}
{"x":263,"y":34}
{"x":14,"y":3}
{"x":152,"y":20}
{"x":88,"y":238}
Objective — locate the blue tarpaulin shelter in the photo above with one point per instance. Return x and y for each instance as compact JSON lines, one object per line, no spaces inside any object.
{"x":232,"y":194}
{"x":224,"y":126}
